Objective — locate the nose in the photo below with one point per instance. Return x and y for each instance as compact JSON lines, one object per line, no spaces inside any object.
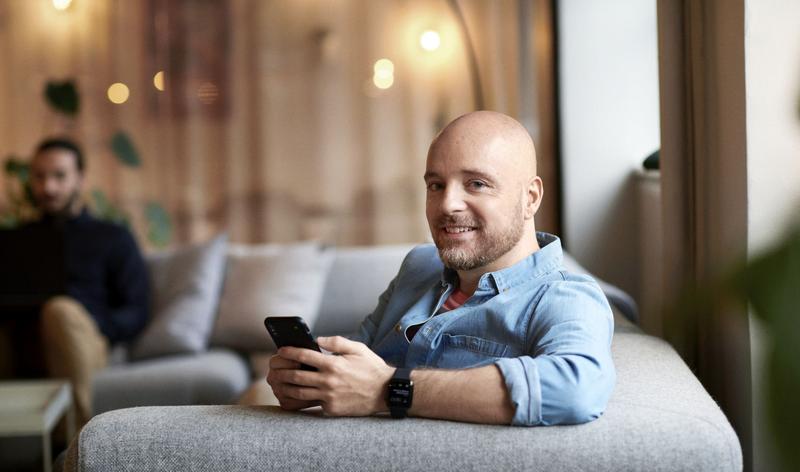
{"x":452,"y":200}
{"x":50,"y":186}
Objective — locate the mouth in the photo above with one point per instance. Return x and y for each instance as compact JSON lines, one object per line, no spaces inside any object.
{"x":458,"y":229}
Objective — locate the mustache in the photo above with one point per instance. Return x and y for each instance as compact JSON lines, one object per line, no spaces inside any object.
{"x":452,"y":220}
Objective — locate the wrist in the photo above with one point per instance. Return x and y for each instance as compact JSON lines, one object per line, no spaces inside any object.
{"x":380,"y":402}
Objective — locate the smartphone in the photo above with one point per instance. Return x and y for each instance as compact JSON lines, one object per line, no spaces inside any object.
{"x":291,"y":331}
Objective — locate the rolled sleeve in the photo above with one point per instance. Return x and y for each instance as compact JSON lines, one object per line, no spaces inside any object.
{"x":522,"y":381}
{"x":568,"y":376}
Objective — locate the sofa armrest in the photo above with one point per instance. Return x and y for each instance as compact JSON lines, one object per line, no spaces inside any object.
{"x":267,"y":438}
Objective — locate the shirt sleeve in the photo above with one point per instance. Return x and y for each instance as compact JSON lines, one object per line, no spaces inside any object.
{"x":569,"y":375}
{"x":129,"y":290}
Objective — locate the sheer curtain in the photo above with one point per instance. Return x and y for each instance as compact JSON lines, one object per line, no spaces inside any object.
{"x":270,"y":126}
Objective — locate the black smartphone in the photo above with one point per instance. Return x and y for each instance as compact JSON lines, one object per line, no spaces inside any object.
{"x":291,"y":331}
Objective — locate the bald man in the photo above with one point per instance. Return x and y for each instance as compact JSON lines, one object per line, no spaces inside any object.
{"x":486,"y":326}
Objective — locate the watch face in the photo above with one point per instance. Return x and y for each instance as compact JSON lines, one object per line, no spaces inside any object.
{"x":400,"y":393}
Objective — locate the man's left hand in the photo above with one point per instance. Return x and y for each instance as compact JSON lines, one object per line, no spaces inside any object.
{"x":351,"y":383}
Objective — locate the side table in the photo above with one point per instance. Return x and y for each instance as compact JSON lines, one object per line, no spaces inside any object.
{"x":33,"y":407}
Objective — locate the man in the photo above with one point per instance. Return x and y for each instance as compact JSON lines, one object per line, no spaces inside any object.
{"x":107,"y":289}
{"x":492,"y":328}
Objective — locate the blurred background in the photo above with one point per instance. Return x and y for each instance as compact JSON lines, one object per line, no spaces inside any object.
{"x":274,"y":120}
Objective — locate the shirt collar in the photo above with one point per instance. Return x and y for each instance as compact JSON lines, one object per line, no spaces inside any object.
{"x":548,"y":258}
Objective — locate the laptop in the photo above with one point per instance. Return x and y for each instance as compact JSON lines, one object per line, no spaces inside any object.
{"x":31,"y":268}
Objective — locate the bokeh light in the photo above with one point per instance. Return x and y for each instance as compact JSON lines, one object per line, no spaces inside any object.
{"x":61,"y":4}
{"x":158,"y":80}
{"x":383,"y":75}
{"x":430,"y":40}
{"x":118,"y":93}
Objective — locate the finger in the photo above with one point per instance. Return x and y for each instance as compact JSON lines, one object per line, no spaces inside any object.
{"x":340,"y":345}
{"x":278,"y":362}
{"x":297,"y":377}
{"x":301,"y":393}
{"x":304,"y":356}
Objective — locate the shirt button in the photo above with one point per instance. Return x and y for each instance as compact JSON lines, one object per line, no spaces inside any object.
{"x":398,"y":328}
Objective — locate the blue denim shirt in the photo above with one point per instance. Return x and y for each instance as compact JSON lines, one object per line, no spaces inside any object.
{"x":548,"y":331}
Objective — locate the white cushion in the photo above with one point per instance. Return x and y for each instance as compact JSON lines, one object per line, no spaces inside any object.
{"x":185,"y":291}
{"x":268,"y":280}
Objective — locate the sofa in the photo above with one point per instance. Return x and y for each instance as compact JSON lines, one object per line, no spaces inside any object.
{"x":205,"y":344}
{"x":658,"y":418}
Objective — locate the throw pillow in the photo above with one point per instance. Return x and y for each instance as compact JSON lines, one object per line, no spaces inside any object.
{"x":268,"y":280}
{"x":186,"y":284}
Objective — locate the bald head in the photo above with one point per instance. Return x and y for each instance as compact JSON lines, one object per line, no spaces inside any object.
{"x":483,"y":193}
{"x":495,"y":134}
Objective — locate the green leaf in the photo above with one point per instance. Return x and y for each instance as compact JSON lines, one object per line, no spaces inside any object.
{"x":8,"y":221}
{"x":63,"y":97}
{"x":123,"y":147}
{"x":17,"y":168}
{"x":105,"y":210}
{"x":159,"y":224}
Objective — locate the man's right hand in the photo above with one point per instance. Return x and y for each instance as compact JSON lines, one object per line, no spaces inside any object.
{"x":277,"y":363}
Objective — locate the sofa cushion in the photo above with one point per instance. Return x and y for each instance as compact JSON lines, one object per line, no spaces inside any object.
{"x":268,"y":280}
{"x":185,"y":291}
{"x":357,"y":278}
{"x":217,"y":376}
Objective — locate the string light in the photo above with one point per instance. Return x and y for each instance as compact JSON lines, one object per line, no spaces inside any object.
{"x":430,"y":40}
{"x":383,"y":75}
{"x":61,"y":4}
{"x":158,"y":80}
{"x":118,"y":93}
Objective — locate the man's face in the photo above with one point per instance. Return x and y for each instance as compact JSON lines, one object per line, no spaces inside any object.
{"x":55,"y":181}
{"x":474,"y":205}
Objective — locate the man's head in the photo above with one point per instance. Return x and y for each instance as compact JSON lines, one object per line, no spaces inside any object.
{"x":482,"y":192}
{"x":57,"y":176}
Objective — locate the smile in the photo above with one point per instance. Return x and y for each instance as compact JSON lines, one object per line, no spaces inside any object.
{"x":458,"y":229}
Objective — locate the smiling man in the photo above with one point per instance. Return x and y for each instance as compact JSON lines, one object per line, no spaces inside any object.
{"x":485,"y":326}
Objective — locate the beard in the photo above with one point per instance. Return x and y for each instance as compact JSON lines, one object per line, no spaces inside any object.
{"x":63,"y":210}
{"x":489,"y":245}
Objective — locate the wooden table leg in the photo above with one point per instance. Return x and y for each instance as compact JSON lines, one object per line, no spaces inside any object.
{"x":70,"y":423}
{"x":47,"y":453}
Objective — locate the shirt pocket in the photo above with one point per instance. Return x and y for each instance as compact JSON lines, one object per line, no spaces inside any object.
{"x":461,"y":351}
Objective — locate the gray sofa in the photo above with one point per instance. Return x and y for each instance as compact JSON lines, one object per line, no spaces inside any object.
{"x":659,"y":416}
{"x":222,"y":373}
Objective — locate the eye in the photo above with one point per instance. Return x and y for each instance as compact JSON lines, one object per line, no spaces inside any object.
{"x":477,"y":184}
{"x":434,"y":186}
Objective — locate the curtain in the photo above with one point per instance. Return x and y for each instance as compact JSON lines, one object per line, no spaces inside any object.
{"x":704,"y":194}
{"x":269,"y":126}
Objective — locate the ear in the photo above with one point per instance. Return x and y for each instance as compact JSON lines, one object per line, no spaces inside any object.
{"x":535,"y":192}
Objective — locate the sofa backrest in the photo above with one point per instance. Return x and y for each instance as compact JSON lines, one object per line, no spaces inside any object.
{"x":358,"y":276}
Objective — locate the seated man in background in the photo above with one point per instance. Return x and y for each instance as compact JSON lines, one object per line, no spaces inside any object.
{"x":484,"y":327}
{"x":106,"y":288}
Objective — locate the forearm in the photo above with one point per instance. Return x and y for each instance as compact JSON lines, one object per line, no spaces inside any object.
{"x":472,"y":395}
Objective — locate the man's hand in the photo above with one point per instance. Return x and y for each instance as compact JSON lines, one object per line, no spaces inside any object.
{"x":351,"y":383}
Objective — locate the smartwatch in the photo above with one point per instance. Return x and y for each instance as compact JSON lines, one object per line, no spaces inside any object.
{"x":401,"y":392}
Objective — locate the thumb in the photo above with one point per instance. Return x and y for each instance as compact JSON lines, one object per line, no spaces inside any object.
{"x":339,"y":345}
